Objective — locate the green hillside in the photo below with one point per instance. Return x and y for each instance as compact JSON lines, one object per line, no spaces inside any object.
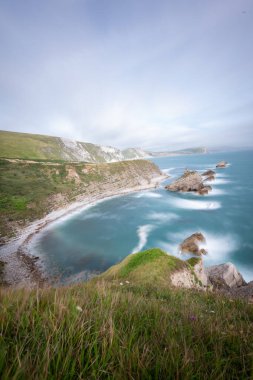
{"x":29,"y":146}
{"x":30,"y":190}
{"x":125,"y":329}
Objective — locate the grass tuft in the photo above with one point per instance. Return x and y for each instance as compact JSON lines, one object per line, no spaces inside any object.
{"x":103,"y":331}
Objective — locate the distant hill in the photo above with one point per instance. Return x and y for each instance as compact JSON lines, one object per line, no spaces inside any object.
{"x":199,"y":150}
{"x":42,"y":147}
{"x":31,"y":146}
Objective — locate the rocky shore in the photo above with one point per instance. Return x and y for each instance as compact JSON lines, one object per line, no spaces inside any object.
{"x":19,"y":267}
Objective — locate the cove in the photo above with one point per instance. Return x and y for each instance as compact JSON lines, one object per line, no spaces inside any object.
{"x":91,"y":240}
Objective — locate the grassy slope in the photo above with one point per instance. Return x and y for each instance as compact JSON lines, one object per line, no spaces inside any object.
{"x":29,"y":146}
{"x":102,"y":330}
{"x":151,"y":266}
{"x":28,"y":191}
{"x":41,"y":147}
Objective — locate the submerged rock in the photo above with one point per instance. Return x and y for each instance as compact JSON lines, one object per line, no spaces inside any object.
{"x":225,"y":276}
{"x":222,"y":164}
{"x":189,"y":181}
{"x":191,"y":244}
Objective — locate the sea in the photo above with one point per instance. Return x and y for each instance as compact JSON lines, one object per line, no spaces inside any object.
{"x":89,"y":241}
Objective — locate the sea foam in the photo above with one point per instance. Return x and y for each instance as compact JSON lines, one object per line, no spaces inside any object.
{"x":162,"y":216}
{"x":195,"y":204}
{"x":147,"y":194}
{"x":218,"y":246}
{"x":143,"y":233}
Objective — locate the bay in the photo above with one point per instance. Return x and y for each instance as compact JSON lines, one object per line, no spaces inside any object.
{"x":91,"y":240}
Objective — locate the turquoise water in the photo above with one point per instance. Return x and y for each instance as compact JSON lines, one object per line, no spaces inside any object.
{"x":93,"y":239}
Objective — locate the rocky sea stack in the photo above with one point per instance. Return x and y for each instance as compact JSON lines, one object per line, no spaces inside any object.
{"x":222,"y":164}
{"x":189,"y":181}
{"x":191,"y":244}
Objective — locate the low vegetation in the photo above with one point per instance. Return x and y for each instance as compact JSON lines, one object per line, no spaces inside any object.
{"x":125,"y":329}
{"x":151,"y":266}
{"x":30,"y":190}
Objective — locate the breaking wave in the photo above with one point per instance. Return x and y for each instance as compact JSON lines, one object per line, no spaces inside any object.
{"x":148,"y":194}
{"x":142,"y":232}
{"x":195,"y":205}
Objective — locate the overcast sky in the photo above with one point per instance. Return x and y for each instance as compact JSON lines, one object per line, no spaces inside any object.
{"x":149,"y":73}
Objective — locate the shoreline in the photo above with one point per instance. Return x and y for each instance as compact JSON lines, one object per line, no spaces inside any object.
{"x":21,"y":267}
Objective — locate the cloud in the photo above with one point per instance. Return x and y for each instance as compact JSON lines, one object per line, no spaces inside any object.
{"x":149,"y":74}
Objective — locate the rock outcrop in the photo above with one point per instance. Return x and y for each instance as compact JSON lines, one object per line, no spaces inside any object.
{"x":242,"y":292}
{"x":191,"y":244}
{"x":189,"y":181}
{"x":222,"y":164}
{"x":209,"y":175}
{"x":224,"y":276}
{"x":192,"y":277}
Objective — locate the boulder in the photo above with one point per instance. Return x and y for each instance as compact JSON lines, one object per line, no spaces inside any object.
{"x":204,"y":190}
{"x":222,"y":164}
{"x":224,"y":276}
{"x":189,"y":181}
{"x":191,"y":244}
{"x":243,"y":292}
{"x":208,"y":173}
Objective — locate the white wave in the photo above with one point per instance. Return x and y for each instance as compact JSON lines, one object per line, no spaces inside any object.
{"x":147,"y":194}
{"x":194,"y":204}
{"x":218,"y":246}
{"x":142,"y":232}
{"x":167,"y":170}
{"x":90,"y":215}
{"x":162,"y":216}
{"x":219,"y":181}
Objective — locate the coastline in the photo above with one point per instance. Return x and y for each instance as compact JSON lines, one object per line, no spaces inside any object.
{"x":21,"y":267}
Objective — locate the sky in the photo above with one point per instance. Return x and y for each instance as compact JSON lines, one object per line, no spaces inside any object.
{"x":160,"y":74}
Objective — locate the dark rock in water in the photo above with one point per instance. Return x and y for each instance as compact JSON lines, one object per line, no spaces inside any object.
{"x":225,"y":276}
{"x":208,"y":173}
{"x":211,"y":178}
{"x":222,"y":164}
{"x":189,"y":181}
{"x":204,"y":190}
{"x":191,"y":244}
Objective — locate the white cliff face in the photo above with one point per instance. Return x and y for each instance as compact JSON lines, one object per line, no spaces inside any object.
{"x":77,"y":151}
{"x":112,"y":154}
{"x":74,"y":149}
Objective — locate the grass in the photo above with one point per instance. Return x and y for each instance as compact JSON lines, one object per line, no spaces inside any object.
{"x":42,"y":147}
{"x":29,"y":146}
{"x":118,"y":326}
{"x":102,"y":331}
{"x":153,"y":265}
